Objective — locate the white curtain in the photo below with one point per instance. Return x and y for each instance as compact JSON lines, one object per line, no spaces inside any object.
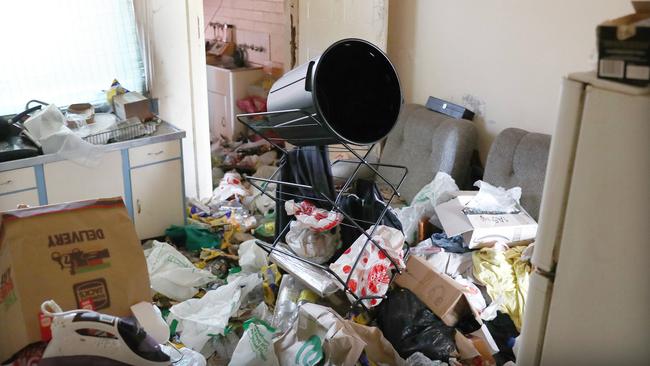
{"x":66,"y":51}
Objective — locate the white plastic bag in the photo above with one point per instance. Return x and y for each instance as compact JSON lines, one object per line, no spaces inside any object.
{"x":230,"y":185}
{"x":183,"y":356}
{"x":49,"y":128}
{"x":255,"y":348}
{"x":251,"y":257}
{"x":491,"y":199}
{"x":318,"y":247}
{"x":423,"y":204}
{"x":200,"y":319}
{"x":172,"y":274}
{"x":315,"y":218}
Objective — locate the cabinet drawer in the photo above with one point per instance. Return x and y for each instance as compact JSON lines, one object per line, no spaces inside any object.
{"x":217,"y":80}
{"x":10,"y":201}
{"x":16,"y":180}
{"x":153,"y":153}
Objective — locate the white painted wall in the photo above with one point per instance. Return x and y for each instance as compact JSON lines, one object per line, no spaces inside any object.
{"x":173,"y":34}
{"x":503,"y":58}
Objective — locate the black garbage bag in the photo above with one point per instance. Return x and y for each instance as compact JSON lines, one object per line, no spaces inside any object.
{"x":364,"y":203}
{"x":307,"y":165}
{"x":411,"y":327}
{"x":503,"y":331}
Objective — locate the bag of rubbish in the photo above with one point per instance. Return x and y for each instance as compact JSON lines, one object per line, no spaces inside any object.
{"x":255,"y":348}
{"x":230,"y":185}
{"x":315,"y":218}
{"x":418,"y":359}
{"x":317,"y":280}
{"x":318,"y":247}
{"x":251,"y":257}
{"x":411,"y":327}
{"x":371,"y":275}
{"x":364,"y":202}
{"x":493,"y":200}
{"x":172,"y":274}
{"x":321,"y":335}
{"x":193,"y":237}
{"x":200,"y":319}
{"x":183,"y":356}
{"x":423,"y":204}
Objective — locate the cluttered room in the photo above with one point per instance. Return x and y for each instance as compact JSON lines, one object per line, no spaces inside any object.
{"x":324,"y":182}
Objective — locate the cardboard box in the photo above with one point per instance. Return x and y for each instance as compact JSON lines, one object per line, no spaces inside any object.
{"x":77,"y":253}
{"x":132,"y":104}
{"x":624,"y":47}
{"x":441,"y":294}
{"x":480,"y":230}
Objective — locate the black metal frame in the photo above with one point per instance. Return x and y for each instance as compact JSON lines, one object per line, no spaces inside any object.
{"x":252,"y":122}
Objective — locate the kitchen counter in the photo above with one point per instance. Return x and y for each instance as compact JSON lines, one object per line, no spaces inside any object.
{"x":165,"y":132}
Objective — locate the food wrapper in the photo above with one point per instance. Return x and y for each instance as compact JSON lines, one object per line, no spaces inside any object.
{"x":371,"y":276}
{"x":317,"y":219}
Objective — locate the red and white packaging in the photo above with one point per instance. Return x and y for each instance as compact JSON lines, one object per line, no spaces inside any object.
{"x":317,"y":219}
{"x":371,"y":276}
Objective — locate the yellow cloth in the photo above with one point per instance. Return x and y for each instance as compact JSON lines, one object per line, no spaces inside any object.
{"x":505,"y":275}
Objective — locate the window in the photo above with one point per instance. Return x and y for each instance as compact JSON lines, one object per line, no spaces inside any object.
{"x":66,"y":51}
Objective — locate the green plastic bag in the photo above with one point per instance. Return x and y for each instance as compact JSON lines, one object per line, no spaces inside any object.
{"x":193,"y":237}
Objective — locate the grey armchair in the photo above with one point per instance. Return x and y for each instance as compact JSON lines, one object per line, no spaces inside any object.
{"x":519,"y":158}
{"x":427,"y":142}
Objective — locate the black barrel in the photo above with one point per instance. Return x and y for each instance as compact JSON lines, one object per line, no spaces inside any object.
{"x":352,"y":89}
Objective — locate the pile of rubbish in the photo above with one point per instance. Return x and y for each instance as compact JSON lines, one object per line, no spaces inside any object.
{"x":224,"y":296}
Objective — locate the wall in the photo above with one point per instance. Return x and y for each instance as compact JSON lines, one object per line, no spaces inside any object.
{"x":175,"y":51}
{"x":254,"y":20}
{"x":502,"y":58}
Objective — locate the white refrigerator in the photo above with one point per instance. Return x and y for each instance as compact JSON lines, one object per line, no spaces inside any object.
{"x":589,"y":298}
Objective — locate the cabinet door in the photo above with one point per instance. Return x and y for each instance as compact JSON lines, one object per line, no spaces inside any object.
{"x":10,"y":201}
{"x":157,"y":198}
{"x":218,"y":115}
{"x":66,"y":181}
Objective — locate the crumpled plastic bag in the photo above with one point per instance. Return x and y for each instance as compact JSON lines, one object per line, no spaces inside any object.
{"x":200,"y":319}
{"x":183,"y":356}
{"x":494,"y":200}
{"x":172,"y":274}
{"x":316,"y":246}
{"x":423,"y":204}
{"x":251,"y":257}
{"x":48,"y":127}
{"x":255,"y":348}
{"x":321,"y":334}
{"x":412,"y":327}
{"x":315,"y":218}
{"x":230,"y":185}
{"x":371,"y":276}
{"x":419,"y":359}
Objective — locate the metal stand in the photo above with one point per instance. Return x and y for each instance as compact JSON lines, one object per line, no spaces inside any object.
{"x":263,"y":125}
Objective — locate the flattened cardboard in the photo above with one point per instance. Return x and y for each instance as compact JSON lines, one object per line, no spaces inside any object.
{"x":74,"y":253}
{"x":441,"y":294}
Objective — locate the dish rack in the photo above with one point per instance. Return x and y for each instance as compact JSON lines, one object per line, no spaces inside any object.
{"x":125,"y":131}
{"x":263,"y":124}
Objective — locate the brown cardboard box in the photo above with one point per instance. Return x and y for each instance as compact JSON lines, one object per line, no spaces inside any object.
{"x":439,"y":292}
{"x":132,"y":104}
{"x":70,"y":253}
